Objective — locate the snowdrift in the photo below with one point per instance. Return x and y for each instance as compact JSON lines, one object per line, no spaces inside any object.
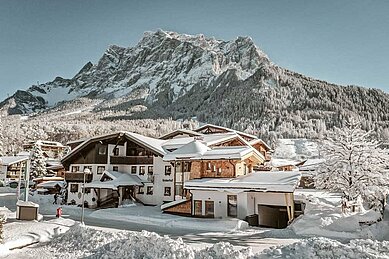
{"x":91,"y":243}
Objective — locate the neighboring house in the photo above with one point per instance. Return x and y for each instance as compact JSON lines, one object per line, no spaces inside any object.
{"x":12,"y":167}
{"x":51,"y":149}
{"x":208,"y":172}
{"x":53,"y":152}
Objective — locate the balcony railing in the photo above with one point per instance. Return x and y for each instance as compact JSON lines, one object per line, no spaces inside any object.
{"x":78,"y":177}
{"x":131,"y":160}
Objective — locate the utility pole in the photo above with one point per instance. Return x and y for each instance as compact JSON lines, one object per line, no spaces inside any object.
{"x":27,"y":178}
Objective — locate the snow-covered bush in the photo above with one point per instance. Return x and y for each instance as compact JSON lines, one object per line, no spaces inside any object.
{"x":2,"y":222}
{"x":320,"y":247}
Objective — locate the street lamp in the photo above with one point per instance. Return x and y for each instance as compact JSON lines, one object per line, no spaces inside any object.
{"x":86,"y":171}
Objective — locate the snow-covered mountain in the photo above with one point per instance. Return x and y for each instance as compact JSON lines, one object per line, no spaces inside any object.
{"x":230,"y":83}
{"x":163,"y":65}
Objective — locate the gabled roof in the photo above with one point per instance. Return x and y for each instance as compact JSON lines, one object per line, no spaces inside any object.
{"x":196,"y":150}
{"x":209,"y":140}
{"x":225,"y":129}
{"x":178,"y":132}
{"x":283,"y":181}
{"x":153,"y":144}
{"x":255,"y":141}
{"x":10,"y":160}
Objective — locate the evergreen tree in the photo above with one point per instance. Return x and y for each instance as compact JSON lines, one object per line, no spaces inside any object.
{"x":355,"y":165}
{"x":38,"y":162}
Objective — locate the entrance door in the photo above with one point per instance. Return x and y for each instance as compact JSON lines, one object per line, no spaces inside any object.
{"x":209,"y":209}
{"x":232,"y":206}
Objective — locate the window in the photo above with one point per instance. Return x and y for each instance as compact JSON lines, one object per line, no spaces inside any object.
{"x":102,"y":150}
{"x":168,"y":191}
{"x":198,"y":207}
{"x":187,"y":167}
{"x":133,"y":169}
{"x":149,"y":190}
{"x":150,"y":170}
{"x":100,"y":169}
{"x":74,"y":187}
{"x":142,"y":170}
{"x":213,"y":168}
{"x":208,"y":166}
{"x":232,"y":207}
{"x":115,"y":168}
{"x":168,"y":170}
{"x":141,"y":190}
{"x":75,"y":169}
{"x":87,"y":190}
{"x":88,"y":167}
{"x":209,"y":209}
{"x":115,"y":151}
{"x":179,"y":190}
{"x":219,"y":171}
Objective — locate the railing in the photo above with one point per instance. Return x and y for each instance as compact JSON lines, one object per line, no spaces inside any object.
{"x":78,"y":177}
{"x":131,"y":160}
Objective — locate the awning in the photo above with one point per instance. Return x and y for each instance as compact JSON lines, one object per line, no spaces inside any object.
{"x":118,"y":179}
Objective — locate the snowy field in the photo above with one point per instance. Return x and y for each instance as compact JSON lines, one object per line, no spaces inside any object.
{"x":323,"y":232}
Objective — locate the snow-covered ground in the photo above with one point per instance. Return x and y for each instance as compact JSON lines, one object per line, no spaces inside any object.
{"x":323,"y":232}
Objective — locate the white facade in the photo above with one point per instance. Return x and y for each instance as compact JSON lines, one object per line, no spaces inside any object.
{"x":156,"y":183}
{"x":247,"y":202}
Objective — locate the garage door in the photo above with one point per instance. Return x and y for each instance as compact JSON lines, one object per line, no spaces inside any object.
{"x":272,"y":216}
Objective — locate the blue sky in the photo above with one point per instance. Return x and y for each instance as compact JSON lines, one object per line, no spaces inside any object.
{"x":344,"y":42}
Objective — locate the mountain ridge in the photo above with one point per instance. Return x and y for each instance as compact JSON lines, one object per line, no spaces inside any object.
{"x":231,"y":83}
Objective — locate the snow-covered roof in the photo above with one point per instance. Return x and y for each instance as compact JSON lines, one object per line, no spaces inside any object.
{"x":280,"y":181}
{"x":255,"y":141}
{"x":151,"y":143}
{"x":225,"y":129}
{"x":311,"y":164}
{"x":196,"y":150}
{"x":193,"y":149}
{"x":26,"y":204}
{"x":148,"y":142}
{"x":180,"y":132}
{"x":277,"y":162}
{"x":173,"y":203}
{"x":51,"y":184}
{"x":208,"y":139}
{"x":118,"y":179}
{"x":44,"y":143}
{"x":10,"y":160}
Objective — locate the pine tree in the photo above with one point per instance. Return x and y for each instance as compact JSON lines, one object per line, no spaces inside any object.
{"x":38,"y":163}
{"x":355,"y":165}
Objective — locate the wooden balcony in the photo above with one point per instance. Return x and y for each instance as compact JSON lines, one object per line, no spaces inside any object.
{"x":131,"y":160}
{"x":78,"y":177}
